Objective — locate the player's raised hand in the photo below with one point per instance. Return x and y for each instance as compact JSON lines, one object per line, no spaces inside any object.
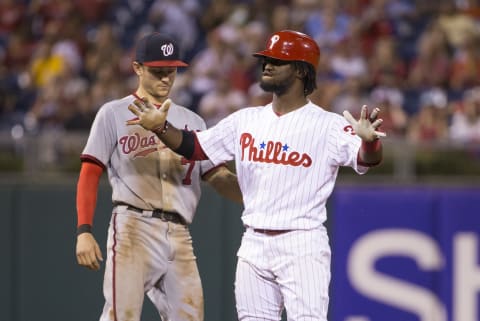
{"x":366,"y":126}
{"x":88,"y":252}
{"x":148,"y":116}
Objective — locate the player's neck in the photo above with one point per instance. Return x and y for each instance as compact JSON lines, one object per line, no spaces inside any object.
{"x":286,"y":103}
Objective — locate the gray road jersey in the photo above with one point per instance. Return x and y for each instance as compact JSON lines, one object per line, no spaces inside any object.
{"x":142,"y":171}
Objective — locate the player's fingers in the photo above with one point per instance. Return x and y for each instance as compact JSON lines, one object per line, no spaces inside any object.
{"x":95,"y":265}
{"x":134,"y":109}
{"x":166,"y":105}
{"x":133,"y":122}
{"x":364,"y":112}
{"x":139,"y":105}
{"x":374,"y":114}
{"x":377,"y":123}
{"x":80,"y":259}
{"x":92,"y":261}
{"x":84,"y":261}
{"x":349,"y":117}
{"x":98,"y":253}
{"x":380,"y":134}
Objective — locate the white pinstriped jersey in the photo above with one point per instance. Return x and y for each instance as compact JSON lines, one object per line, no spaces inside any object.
{"x":286,"y":165}
{"x":142,"y":171}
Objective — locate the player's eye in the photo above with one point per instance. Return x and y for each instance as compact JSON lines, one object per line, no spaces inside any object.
{"x":161,"y":72}
{"x":275,"y":62}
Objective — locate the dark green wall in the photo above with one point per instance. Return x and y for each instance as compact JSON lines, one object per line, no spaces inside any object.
{"x":39,"y":277}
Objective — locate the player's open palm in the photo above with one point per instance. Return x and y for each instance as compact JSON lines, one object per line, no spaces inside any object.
{"x":88,"y":251}
{"x":366,"y":127}
{"x":148,"y":116}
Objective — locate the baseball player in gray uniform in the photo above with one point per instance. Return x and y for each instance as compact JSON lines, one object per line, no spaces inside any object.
{"x":155,"y":193}
{"x":287,"y":155}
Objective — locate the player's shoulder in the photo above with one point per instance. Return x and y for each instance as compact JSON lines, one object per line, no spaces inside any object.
{"x":318,"y":111}
{"x":113,"y":105}
{"x":251,"y":111}
{"x":179,"y":114}
{"x":184,"y":110}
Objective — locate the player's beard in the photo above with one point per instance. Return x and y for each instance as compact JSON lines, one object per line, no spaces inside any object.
{"x":277,"y":87}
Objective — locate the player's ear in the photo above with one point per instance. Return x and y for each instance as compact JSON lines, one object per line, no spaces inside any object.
{"x":137,"y":68}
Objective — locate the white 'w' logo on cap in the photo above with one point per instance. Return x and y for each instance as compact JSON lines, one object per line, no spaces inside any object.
{"x":167,"y":49}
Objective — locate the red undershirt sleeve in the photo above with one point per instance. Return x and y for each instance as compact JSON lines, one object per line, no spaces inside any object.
{"x":87,"y":188}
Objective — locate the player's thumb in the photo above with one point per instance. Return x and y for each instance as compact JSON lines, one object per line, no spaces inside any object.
{"x":349,"y":117}
{"x":166,"y":105}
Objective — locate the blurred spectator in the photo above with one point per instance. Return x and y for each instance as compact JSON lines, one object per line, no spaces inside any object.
{"x":11,"y":16}
{"x":93,"y":11}
{"x":353,"y":96}
{"x":214,"y":61}
{"x":45,"y":64}
{"x":220,"y":102}
{"x":373,"y":23}
{"x":347,"y":60}
{"x":328,"y":25}
{"x":466,"y":66}
{"x":103,"y":48}
{"x":385,"y":59}
{"x":256,"y":96}
{"x":62,"y":59}
{"x":215,"y":14}
{"x":430,"y":123}
{"x":179,"y":18}
{"x":107,"y":85}
{"x":458,"y":26}
{"x":389,"y":98}
{"x":281,"y":18}
{"x":465,"y":125}
{"x":432,"y":54}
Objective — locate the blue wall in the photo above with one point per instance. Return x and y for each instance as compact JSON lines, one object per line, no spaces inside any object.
{"x":405,"y":254}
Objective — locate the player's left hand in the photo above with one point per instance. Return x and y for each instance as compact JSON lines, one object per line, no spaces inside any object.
{"x":149,"y":117}
{"x":366,"y":127}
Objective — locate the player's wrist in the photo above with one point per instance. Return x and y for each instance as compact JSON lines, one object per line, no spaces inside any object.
{"x":371,"y":146}
{"x":161,"y":130}
{"x":84,"y":228}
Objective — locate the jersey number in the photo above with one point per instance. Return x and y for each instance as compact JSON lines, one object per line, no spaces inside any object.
{"x":187,"y":180}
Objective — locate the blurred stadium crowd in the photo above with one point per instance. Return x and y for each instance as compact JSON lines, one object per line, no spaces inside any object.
{"x":418,"y":60}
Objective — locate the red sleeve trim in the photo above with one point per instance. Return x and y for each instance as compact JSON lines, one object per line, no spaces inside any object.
{"x":87,"y":188}
{"x":90,"y":159}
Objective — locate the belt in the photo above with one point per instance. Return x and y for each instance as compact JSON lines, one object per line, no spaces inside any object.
{"x":270,"y":232}
{"x":166,"y":216}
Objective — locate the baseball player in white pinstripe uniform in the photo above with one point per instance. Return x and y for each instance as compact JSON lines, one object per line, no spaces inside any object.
{"x":155,"y":194}
{"x":287,"y":156}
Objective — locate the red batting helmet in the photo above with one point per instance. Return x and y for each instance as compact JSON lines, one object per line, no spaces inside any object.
{"x":292,"y":45}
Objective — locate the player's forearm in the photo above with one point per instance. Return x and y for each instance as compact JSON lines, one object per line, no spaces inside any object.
{"x":370,"y":153}
{"x":87,"y":188}
{"x":171,"y":136}
{"x":226,"y":184}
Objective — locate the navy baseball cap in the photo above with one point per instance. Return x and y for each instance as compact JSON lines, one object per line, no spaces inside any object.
{"x":158,"y":50}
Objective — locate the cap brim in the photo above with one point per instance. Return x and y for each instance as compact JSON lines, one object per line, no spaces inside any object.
{"x":268,"y":53}
{"x":260,"y":54}
{"x":165,"y":63}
